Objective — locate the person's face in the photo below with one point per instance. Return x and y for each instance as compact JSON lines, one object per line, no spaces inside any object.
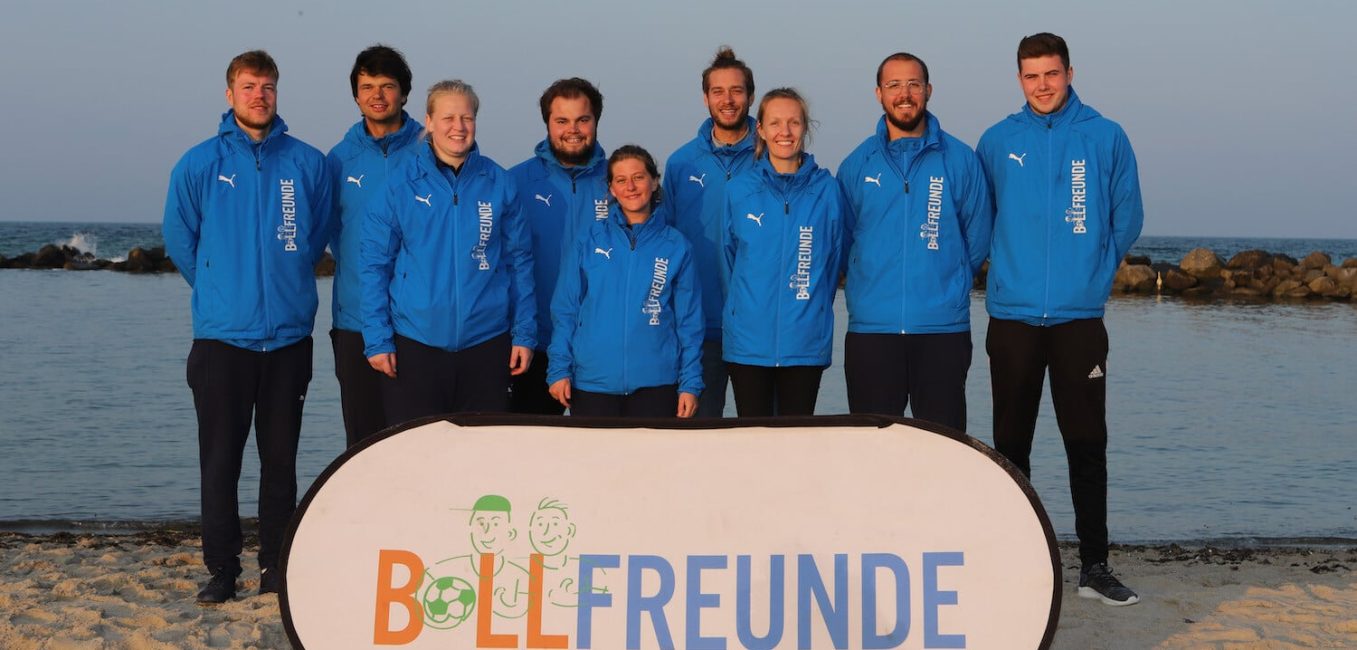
{"x":1045,"y":82}
{"x":903,"y":94}
{"x":254,"y":98}
{"x":571,"y":129}
{"x":783,"y":129}
{"x":452,"y":125}
{"x":550,"y":531}
{"x":632,"y":185}
{"x":491,"y":532}
{"x":726,"y":98}
{"x":379,"y":98}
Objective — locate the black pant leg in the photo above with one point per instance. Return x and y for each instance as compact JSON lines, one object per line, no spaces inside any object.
{"x":588,"y":404}
{"x":755,"y":389}
{"x":875,"y":373}
{"x":481,"y":376}
{"x":1079,"y":394}
{"x":652,"y":402}
{"x":530,"y":394}
{"x":938,"y":364}
{"x":422,"y":384}
{"x":224,"y":381}
{"x":1017,"y":367}
{"x":712,"y":402}
{"x":284,"y":376}
{"x":797,"y":389}
{"x":360,"y":387}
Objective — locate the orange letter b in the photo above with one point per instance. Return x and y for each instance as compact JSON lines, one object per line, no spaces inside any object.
{"x":404,"y":595}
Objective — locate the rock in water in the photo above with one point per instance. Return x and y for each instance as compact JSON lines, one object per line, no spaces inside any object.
{"x":49,"y":257}
{"x":1134,"y":277}
{"x":1250,"y":259}
{"x":1316,"y":260}
{"x":1201,"y":263}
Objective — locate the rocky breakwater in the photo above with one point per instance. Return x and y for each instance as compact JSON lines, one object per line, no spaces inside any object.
{"x":138,"y":260}
{"x":1251,"y":274}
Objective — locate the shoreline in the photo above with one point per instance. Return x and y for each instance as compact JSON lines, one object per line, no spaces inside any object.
{"x":136,"y":590}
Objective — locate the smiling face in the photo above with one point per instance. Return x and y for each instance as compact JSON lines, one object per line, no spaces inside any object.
{"x":452,"y":127}
{"x":903,"y":94}
{"x":550,"y":531}
{"x":727,"y":99}
{"x":379,"y":98}
{"x":570,"y":130}
{"x":491,"y":532}
{"x":633,"y":187}
{"x":783,"y":130}
{"x":254,"y":99}
{"x":1045,"y":82}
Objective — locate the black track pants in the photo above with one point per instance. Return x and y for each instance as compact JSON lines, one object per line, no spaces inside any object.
{"x":885,"y":373}
{"x":360,"y":387}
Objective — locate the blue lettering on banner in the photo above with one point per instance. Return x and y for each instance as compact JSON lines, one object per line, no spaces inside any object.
{"x":811,"y":592}
{"x":776,"y":589}
{"x":698,"y":601}
{"x":835,"y":615}
{"x":654,"y":605}
{"x":933,"y":598}
{"x":900,"y":571}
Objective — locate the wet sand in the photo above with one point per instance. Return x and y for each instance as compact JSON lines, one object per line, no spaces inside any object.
{"x":67,"y":591}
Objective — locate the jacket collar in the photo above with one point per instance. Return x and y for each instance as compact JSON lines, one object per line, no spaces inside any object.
{"x":409,"y":131}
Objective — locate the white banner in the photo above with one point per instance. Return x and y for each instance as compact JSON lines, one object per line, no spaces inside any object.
{"x":842,"y":532}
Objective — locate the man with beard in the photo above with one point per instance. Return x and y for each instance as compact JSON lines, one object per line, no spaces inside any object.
{"x":694,"y":184}
{"x":247,"y":218}
{"x":1068,"y":194}
{"x":359,"y":164}
{"x":561,"y":189}
{"x":919,"y":231}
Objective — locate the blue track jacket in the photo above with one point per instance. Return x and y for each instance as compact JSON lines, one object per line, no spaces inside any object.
{"x":445,"y":260}
{"x":359,"y":165}
{"x":1068,"y":199}
{"x":694,"y":184}
{"x":627,"y":310}
{"x":918,"y":232}
{"x":782,"y":257}
{"x":557,"y":204}
{"x":246,"y":222}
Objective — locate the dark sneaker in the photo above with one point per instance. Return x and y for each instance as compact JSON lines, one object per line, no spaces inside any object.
{"x":221,"y":588}
{"x":1097,"y":581}
{"x":269,"y":580}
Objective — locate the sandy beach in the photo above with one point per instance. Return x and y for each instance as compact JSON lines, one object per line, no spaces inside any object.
{"x":66,"y":591}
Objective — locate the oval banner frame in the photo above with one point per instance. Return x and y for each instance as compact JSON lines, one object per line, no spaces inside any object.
{"x":829,"y":531}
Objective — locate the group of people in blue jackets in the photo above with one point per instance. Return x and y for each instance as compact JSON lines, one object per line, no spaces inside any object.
{"x":593,"y":282}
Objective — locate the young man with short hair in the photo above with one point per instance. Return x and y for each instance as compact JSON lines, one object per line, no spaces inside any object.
{"x":1067,"y":192}
{"x":562,"y":188}
{"x":918,"y":232}
{"x":246,"y":219}
{"x":694,"y":184}
{"x":359,"y":164}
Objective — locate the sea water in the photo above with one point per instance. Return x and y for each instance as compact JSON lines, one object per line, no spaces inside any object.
{"x":1227,"y":420}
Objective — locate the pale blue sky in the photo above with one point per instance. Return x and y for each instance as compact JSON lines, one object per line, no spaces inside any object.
{"x":1241,"y":113}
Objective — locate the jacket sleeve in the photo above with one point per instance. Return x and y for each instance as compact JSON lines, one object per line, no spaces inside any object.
{"x":689,"y":320}
{"x":518,"y":260}
{"x":838,"y":234}
{"x":332,"y":169}
{"x":565,"y":311}
{"x":183,"y":220}
{"x":1128,"y":213}
{"x":975,"y":210}
{"x":667,"y":192}
{"x":377,"y":256}
{"x":325,"y":222}
{"x":852,"y":194}
{"x":726,"y":255}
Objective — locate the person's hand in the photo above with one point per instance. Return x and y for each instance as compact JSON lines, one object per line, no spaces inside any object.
{"x":384,"y":363}
{"x":520,"y":357}
{"x":687,"y":405}
{"x":561,"y":391}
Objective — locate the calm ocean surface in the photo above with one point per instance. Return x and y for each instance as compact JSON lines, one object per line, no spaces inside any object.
{"x":1228,"y":421}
